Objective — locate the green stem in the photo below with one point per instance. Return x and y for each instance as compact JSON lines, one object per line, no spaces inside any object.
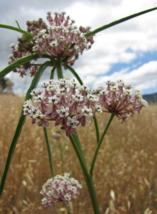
{"x":61,"y":154}
{"x":20,"y":125}
{"x":96,"y":128}
{"x":67,"y":209}
{"x":77,"y":141}
{"x":52,"y":73}
{"x":99,"y":144}
{"x":79,"y":152}
{"x":59,"y":69}
{"x":88,"y":179}
{"x":49,"y":150}
{"x":118,"y":22}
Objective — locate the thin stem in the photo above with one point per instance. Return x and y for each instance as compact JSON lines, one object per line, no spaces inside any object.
{"x":96,"y":128}
{"x":67,"y":209}
{"x":100,"y":142}
{"x":52,"y":73}
{"x":118,"y":22}
{"x":48,"y":149}
{"x":59,"y":69}
{"x":62,"y":158}
{"x":88,"y":179}
{"x":77,"y":140}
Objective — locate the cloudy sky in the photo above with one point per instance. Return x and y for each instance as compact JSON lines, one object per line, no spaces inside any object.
{"x":127,"y":51}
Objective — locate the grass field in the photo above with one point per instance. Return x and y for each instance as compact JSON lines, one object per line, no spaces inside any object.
{"x":125,"y":174}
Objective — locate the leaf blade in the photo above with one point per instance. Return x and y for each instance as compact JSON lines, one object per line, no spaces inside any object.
{"x":17,"y":29}
{"x":20,"y":125}
{"x":119,"y":21}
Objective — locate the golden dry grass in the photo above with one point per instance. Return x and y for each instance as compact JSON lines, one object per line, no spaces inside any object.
{"x":126,"y":166}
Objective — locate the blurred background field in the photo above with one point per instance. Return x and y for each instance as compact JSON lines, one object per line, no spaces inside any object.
{"x":125,"y":173}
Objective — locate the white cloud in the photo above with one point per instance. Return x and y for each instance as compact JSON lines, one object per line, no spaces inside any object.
{"x":145,"y":77}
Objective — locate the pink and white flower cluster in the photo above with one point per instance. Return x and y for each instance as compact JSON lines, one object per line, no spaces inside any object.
{"x":60,"y":39}
{"x":16,"y":54}
{"x":69,"y":104}
{"x":60,"y":189}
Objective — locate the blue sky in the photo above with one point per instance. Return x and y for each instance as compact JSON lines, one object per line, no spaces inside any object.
{"x":127,"y":51}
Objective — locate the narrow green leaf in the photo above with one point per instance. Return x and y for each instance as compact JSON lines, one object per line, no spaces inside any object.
{"x":17,"y":63}
{"x":17,"y":29}
{"x":20,"y":124}
{"x":81,"y":83}
{"x":118,"y":22}
{"x":73,"y":72}
{"x":17,"y":24}
{"x":48,"y":150}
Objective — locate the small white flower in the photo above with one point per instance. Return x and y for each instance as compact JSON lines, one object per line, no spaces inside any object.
{"x":108,"y":82}
{"x":128,"y":86}
{"x":144,"y":103}
{"x":46,"y":36}
{"x":92,"y":98}
{"x":73,"y":84}
{"x":10,"y":56}
{"x":104,"y":92}
{"x":44,"y":84}
{"x":39,"y":98}
{"x":51,"y":88}
{"x":44,"y":201}
{"x":114,"y":89}
{"x":98,"y":108}
{"x":84,"y":88}
{"x":38,"y":116}
{"x":53,"y":43}
{"x":77,"y":97}
{"x":42,"y":32}
{"x":62,"y":82}
{"x":62,"y":91}
{"x":72,"y":121}
{"x":120,"y":83}
{"x":35,"y":48}
{"x":87,"y":111}
{"x":53,"y":100}
{"x":63,"y":111}
{"x":12,"y":45}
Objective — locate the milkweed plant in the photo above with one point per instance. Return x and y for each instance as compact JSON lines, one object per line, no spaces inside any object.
{"x":69,"y":103}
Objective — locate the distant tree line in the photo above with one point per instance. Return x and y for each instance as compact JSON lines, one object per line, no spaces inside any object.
{"x":6,"y":86}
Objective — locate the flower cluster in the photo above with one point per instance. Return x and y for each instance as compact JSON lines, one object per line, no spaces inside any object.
{"x":60,"y":39}
{"x":69,"y":104}
{"x":16,"y":54}
{"x":60,"y":189}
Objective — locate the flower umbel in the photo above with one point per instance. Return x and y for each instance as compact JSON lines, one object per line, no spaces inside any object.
{"x":60,"y":189}
{"x":70,"y":106}
{"x":60,"y":39}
